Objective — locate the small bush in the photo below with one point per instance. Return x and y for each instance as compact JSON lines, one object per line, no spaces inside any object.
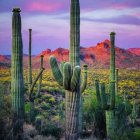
{"x":51,"y":129}
{"x":136,"y":134}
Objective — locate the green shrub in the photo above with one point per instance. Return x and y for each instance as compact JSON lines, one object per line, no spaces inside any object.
{"x":136,"y":134}
{"x":27,"y":107}
{"x":52,"y":100}
{"x":51,"y":129}
{"x":45,"y":106}
{"x":38,"y":122}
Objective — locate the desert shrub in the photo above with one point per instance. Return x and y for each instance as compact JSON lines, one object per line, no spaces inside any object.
{"x":51,"y":129}
{"x":52,"y":100}
{"x":38,"y":122}
{"x":5,"y":113}
{"x":89,"y":107}
{"x":136,"y":134}
{"x":45,"y":106}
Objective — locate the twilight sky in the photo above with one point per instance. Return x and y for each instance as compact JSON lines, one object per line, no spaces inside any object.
{"x":49,"y":20}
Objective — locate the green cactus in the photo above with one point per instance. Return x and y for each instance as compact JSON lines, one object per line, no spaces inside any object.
{"x":30,"y":60}
{"x":110,"y":114}
{"x":32,"y":84}
{"x":17,"y":82}
{"x":103,"y":97}
{"x":116,"y":84}
{"x":109,"y":107}
{"x":70,"y":78}
{"x":83,"y":87}
{"x":98,"y":92}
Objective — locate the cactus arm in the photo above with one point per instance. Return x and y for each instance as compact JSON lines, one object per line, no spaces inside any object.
{"x":75,"y":78}
{"x":112,"y":94}
{"x":56,"y":71}
{"x":84,"y":83}
{"x":62,"y":66}
{"x":33,"y":84}
{"x":67,"y":72}
{"x":97,"y":89}
{"x":103,"y":96}
{"x":40,"y":79}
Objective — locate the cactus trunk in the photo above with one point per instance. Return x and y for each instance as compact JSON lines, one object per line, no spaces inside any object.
{"x":110,"y":123}
{"x":110,"y":114}
{"x":73,"y":98}
{"x":17,"y":83}
{"x":116,"y":84}
{"x":112,"y":70}
{"x":69,"y":76}
{"x":74,"y":55}
{"x":30,"y":61}
{"x":71,"y":118}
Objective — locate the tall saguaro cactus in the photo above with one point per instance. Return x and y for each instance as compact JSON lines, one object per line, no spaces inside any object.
{"x":110,"y":114}
{"x":109,"y":107}
{"x":17,"y":82}
{"x":69,"y":77}
{"x":30,"y":61}
{"x":33,"y":96}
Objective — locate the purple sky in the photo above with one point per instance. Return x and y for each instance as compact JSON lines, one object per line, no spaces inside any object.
{"x":49,"y":20}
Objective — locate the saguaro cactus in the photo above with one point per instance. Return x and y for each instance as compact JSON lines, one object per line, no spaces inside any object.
{"x":110,"y":114}
{"x":109,"y":106}
{"x":17,"y":83}
{"x":69,"y":77}
{"x":33,"y":96}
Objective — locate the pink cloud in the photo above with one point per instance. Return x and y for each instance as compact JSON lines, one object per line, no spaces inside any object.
{"x":44,"y":7}
{"x":119,"y":6}
{"x":137,"y":14}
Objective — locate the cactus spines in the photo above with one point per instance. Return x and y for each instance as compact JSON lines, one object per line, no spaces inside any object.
{"x":17,"y":83}
{"x":73,"y":92}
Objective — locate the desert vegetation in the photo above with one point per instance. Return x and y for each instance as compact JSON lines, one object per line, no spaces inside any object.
{"x":67,"y":101}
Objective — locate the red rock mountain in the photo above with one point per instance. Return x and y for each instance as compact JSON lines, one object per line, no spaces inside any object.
{"x":4,"y":61}
{"x":96,"y":56}
{"x":135,"y":51}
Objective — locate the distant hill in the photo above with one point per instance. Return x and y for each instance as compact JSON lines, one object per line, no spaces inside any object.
{"x":4,"y":61}
{"x":97,"y":56}
{"x":135,"y":51}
